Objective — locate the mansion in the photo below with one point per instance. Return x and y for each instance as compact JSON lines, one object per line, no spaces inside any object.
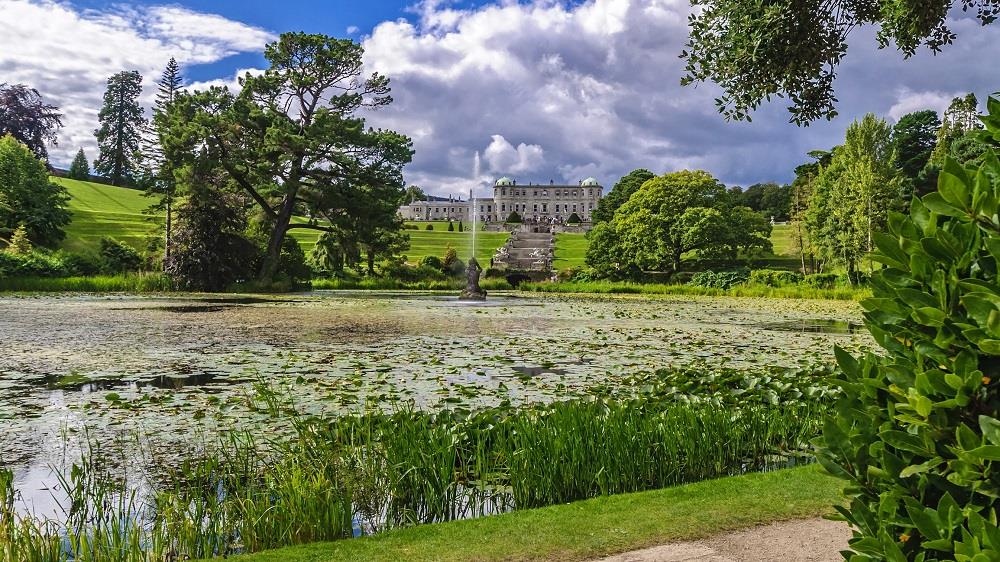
{"x":541,"y":203}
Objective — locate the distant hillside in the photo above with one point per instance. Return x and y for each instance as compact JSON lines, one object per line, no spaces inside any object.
{"x":103,"y":210}
{"x":117,"y":212}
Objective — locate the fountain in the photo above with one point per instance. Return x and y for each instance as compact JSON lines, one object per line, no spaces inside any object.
{"x":472,"y":290}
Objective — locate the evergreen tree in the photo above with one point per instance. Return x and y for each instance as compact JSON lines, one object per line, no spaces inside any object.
{"x":80,"y":168}
{"x":162,"y":184}
{"x":913,"y":137}
{"x":19,"y":242}
{"x":122,"y":123}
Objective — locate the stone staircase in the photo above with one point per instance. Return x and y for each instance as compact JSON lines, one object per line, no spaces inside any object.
{"x":526,"y":251}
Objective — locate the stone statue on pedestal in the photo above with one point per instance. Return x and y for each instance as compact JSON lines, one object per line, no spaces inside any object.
{"x":472,"y":289}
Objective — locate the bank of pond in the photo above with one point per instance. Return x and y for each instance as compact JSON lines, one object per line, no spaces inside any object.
{"x":339,"y":477}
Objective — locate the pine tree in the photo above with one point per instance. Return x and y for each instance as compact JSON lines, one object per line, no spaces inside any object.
{"x":80,"y":168}
{"x":122,"y":123}
{"x":19,"y":242}
{"x":163,"y":184}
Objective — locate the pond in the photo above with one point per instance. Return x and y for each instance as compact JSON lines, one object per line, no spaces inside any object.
{"x":181,"y":368}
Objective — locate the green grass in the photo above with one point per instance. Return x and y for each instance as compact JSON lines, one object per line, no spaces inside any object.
{"x":571,"y":250}
{"x":610,"y":287}
{"x":593,"y":528}
{"x":104,"y":210}
{"x":125,"y":283}
{"x":431,"y":243}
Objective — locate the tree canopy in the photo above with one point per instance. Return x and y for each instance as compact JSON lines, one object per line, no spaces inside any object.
{"x":293,"y":139}
{"x":27,"y":118}
{"x":120,"y":134}
{"x":619,"y":194}
{"x":671,"y":215}
{"x":27,"y":197}
{"x":80,"y":168}
{"x":789,"y":48}
{"x":913,"y":138}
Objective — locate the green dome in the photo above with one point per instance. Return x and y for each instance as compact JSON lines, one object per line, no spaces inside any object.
{"x":504,"y":182}
{"x":590,"y":182}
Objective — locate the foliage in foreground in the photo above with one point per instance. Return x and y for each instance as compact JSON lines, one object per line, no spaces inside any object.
{"x":917,"y":431}
{"x":390,"y":470}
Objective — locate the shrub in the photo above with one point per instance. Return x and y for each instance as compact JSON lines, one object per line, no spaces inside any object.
{"x":80,"y":264}
{"x":410,"y":227}
{"x":451,"y":226}
{"x":461,"y":228}
{"x":916,"y":432}
{"x":34,"y":264}
{"x":429,"y":227}
{"x":433,"y":262}
{"x":513,"y":217}
{"x":774,"y":277}
{"x":821,"y":280}
{"x":118,"y":257}
{"x":574,"y":219}
{"x":720,"y":279}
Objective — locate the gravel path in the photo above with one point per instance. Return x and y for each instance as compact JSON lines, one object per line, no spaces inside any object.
{"x":810,"y":540}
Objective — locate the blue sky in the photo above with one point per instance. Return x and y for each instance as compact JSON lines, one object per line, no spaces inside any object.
{"x":536,"y":90}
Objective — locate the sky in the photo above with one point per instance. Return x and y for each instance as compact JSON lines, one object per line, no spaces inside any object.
{"x":539,"y":90}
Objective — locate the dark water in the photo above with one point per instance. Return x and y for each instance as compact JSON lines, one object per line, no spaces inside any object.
{"x":815,"y":326}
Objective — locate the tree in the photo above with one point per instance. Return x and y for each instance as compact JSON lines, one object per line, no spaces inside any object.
{"x":292,"y":139}
{"x":959,"y":122}
{"x":451,"y":226}
{"x":789,"y":48}
{"x":669,"y":216}
{"x":27,"y":118}
{"x":802,"y":190}
{"x":461,"y":227}
{"x":29,"y":198}
{"x":414,"y":193}
{"x":80,"y":168}
{"x":573,"y":219}
{"x":513,"y":218}
{"x":852,"y":196}
{"x":619,"y":194}
{"x":913,"y":138}
{"x":916,"y":431}
{"x":120,"y":133}
{"x":19,"y":242}
{"x":162,"y":184}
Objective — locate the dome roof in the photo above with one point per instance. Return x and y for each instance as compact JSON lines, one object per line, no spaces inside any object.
{"x":504,"y":181}
{"x":590,"y":182}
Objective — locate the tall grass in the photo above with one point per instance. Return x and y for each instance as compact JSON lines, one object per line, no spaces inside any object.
{"x":383,"y":470}
{"x":124,"y":283}
{"x":609,"y":287}
{"x":388,"y":284}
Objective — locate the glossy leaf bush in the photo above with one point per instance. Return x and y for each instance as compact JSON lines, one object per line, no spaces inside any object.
{"x":916,"y":431}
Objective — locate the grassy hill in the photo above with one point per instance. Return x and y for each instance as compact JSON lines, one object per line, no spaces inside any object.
{"x":120,"y":213}
{"x":104,"y":210}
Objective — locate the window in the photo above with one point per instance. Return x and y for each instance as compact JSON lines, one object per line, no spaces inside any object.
{"x":536,"y":193}
{"x":536,"y":208}
{"x":574,"y":194}
{"x":481,"y":207}
{"x":437,"y":209}
{"x":574,"y":207}
{"x":503,"y":206}
{"x":545,"y":193}
{"x":557,"y":207}
{"x":503,"y":191}
{"x":489,"y":208}
{"x":590,"y":207}
{"x":545,"y":208}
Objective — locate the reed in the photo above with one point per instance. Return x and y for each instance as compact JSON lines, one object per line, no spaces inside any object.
{"x":124,"y":283}
{"x":363,"y":474}
{"x":609,"y":287}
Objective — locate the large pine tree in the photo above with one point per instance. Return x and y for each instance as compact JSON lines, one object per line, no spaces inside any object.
{"x":122,"y":123}
{"x":80,"y":168}
{"x":163,"y":185}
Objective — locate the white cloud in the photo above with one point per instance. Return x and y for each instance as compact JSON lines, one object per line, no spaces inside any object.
{"x":503,"y":157}
{"x":593,"y":89}
{"x":68,"y":54}
{"x":352,"y":29}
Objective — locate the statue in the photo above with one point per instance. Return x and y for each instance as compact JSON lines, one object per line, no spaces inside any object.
{"x":472,"y":290}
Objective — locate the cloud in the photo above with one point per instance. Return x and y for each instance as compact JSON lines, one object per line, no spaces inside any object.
{"x":70,"y":56}
{"x":503,"y":157}
{"x":352,"y":29}
{"x":592,"y":88}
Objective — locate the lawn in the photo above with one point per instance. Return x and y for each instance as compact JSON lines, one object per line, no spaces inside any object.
{"x":571,"y":250}
{"x":104,"y":210}
{"x":593,"y":528}
{"x":120,"y":213}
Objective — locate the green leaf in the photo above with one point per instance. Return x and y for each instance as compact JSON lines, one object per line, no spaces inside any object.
{"x":935,"y":203}
{"x":991,"y":429}
{"x":904,"y":441}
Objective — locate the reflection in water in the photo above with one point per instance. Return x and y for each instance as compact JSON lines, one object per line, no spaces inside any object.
{"x":816,"y":326}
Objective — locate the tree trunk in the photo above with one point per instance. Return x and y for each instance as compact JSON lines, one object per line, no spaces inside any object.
{"x":167,"y":238}
{"x":371,"y":263}
{"x":281,"y":222}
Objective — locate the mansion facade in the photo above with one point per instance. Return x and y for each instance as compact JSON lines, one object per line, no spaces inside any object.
{"x":539,"y":203}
